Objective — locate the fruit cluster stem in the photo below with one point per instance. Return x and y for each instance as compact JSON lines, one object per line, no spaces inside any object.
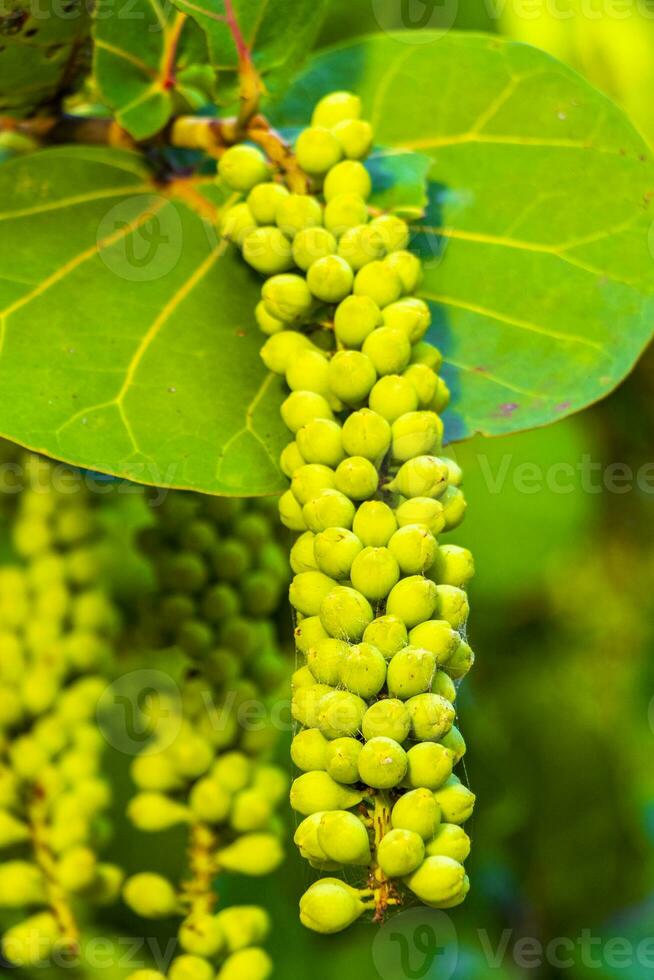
{"x":381,"y":887}
{"x":197,"y":892}
{"x":57,"y":898}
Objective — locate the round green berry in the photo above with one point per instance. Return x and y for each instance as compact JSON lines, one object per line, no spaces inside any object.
{"x":351,"y":376}
{"x":343,"y":212}
{"x":431,"y":716}
{"x":388,"y":349}
{"x":302,"y":406}
{"x":382,"y":763}
{"x":365,"y":433}
{"x":280,"y":350}
{"x":441,"y":397}
{"x":438,"y":636}
{"x":430,"y":765}
{"x":363,"y":670}
{"x":188,"y":967}
{"x":263,"y":201}
{"x":422,"y":476}
{"x":315,"y":792}
{"x":424,"y":383}
{"x":355,"y":318}
{"x":267,"y":324}
{"x":345,"y":613}
{"x":302,"y":557}
{"x":355,"y":137}
{"x":455,"y":800}
{"x":454,"y":507}
{"x":330,"y":279}
{"x":359,"y":245}
{"x":325,"y":660}
{"x":308,"y":632}
{"x":444,"y":685}
{"x":209,"y":801}
{"x":393,"y":231}
{"x":450,"y":841}
{"x":379,"y":283}
{"x":309,"y":750}
{"x":455,"y":742}
{"x":343,"y":838}
{"x":453,"y":565}
{"x":241,"y":167}
{"x":393,"y":396}
{"x":461,"y":661}
{"x":414,"y":548}
{"x":307,"y":591}
{"x":312,"y":244}
{"x":342,"y":759}
{"x":347,"y":177}
{"x":290,"y":512}
{"x":374,"y":573}
{"x":150,"y":895}
{"x":418,"y":812}
{"x":452,"y":605}
{"x":268,"y":251}
{"x":408,"y":267}
{"x":416,"y":434}
{"x":340,"y":714}
{"x":335,"y":108}
{"x":317,"y":150}
{"x":243,"y":926}
{"x":439,"y":881}
{"x":253,"y":963}
{"x":421,"y":510}
{"x":411,"y":316}
{"x":254,"y":854}
{"x":287,"y":297}
{"x":388,"y":718}
{"x":413,"y":600}
{"x":237,"y":223}
{"x":400,"y":852}
{"x":374,"y":523}
{"x":334,"y":550}
{"x":357,"y":478}
{"x":296,"y":212}
{"x":310,"y":479}
{"x":328,"y":508}
{"x":428,"y":355}
{"x":388,"y":634}
{"x":329,"y":906}
{"x":321,"y":441}
{"x":411,"y":672}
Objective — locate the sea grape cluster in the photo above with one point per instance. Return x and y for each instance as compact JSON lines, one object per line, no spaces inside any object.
{"x":381,"y":603}
{"x":222,"y":576}
{"x":57,"y":627}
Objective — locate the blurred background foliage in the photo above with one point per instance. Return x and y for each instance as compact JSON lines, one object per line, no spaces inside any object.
{"x":557,"y":712}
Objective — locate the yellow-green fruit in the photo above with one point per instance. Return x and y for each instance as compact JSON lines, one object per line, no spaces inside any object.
{"x":188,"y":967}
{"x":268,"y":251}
{"x":241,"y":167}
{"x":431,"y":716}
{"x":430,"y":765}
{"x":302,"y":406}
{"x":308,"y":632}
{"x":150,"y":896}
{"x":393,"y":396}
{"x":393,"y":231}
{"x":450,"y":841}
{"x":342,"y":759}
{"x":302,"y":557}
{"x":416,"y":434}
{"x":330,"y":905}
{"x":367,"y":434}
{"x":321,"y":441}
{"x":454,"y":507}
{"x":461,"y":661}
{"x":325,"y":660}
{"x":306,"y":701}
{"x":296,"y":212}
{"x":12,"y":830}
{"x":428,"y":355}
{"x":388,"y":349}
{"x":312,"y":244}
{"x":455,"y":742}
{"x":290,"y":512}
{"x":200,"y":934}
{"x":334,"y":550}
{"x":345,"y":613}
{"x":409,"y":315}
{"x":357,"y":477}
{"x":330,"y":279}
{"x":307,"y":591}
{"x":363,"y":670}
{"x":351,"y":376}
{"x":444,"y":685}
{"x":209,"y":801}
{"x":388,"y":634}
{"x":340,"y":714}
{"x":263,"y":201}
{"x":439,"y":881}
{"x":441,"y":397}
{"x":153,"y":812}
{"x":233,"y":770}
{"x":317,"y":150}
{"x":374,"y":523}
{"x":400,"y":852}
{"x":411,"y":672}
{"x":358,"y":244}
{"x":347,"y":177}
{"x":310,"y":480}
{"x":417,"y":811}
{"x":243,"y":926}
{"x":422,"y":510}
{"x":414,"y":548}
{"x":343,"y":838}
{"x":76,"y":869}
{"x":453,"y":566}
{"x":355,"y":137}
{"x":382,"y":763}
{"x":374,"y":573}
{"x":21,"y":885}
{"x":246,"y":964}
{"x":424,"y":382}
{"x":422,"y":476}
{"x":380,"y":284}
{"x":408,"y":267}
{"x":306,"y":839}
{"x":413,"y":600}
{"x":251,"y":810}
{"x":309,"y":750}
{"x":287,"y":297}
{"x":317,"y":791}
{"x":455,"y":800}
{"x":336,"y":108}
{"x":344,"y":212}
{"x":252,"y":854}
{"x":237,"y":223}
{"x":452,"y":605}
{"x":31,"y":942}
{"x":279,"y":351}
{"x":328,"y":508}
{"x":355,"y":318}
{"x":387,"y":718}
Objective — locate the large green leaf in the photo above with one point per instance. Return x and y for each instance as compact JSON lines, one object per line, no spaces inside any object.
{"x":539,"y":249}
{"x":128,"y":342}
{"x":148,"y":62}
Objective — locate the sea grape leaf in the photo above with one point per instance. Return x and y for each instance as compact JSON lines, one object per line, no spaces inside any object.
{"x":538,"y":241}
{"x":148,"y":57}
{"x":128,"y":342}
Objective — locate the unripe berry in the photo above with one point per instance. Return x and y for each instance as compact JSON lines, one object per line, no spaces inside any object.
{"x":329,"y":906}
{"x":455,"y":742}
{"x":444,"y":685}
{"x":450,"y":841}
{"x":342,"y":759}
{"x":76,"y":869}
{"x":411,"y":672}
{"x":454,"y":507}
{"x":453,"y":566}
{"x":152,"y":812}
{"x":301,"y":407}
{"x":21,"y":885}
{"x":335,"y":108}
{"x":330,"y":278}
{"x":423,"y":381}
{"x":393,"y":231}
{"x":421,"y":510}
{"x":408,"y":268}
{"x":367,"y":434}
{"x":452,"y":605}
{"x":417,"y":811}
{"x":379,"y":283}
{"x":241,"y":167}
{"x":201,"y":935}
{"x":388,"y":350}
{"x":430,"y":765}
{"x":382,"y":763}
{"x":253,"y":963}
{"x":305,"y":703}
{"x":374,"y":573}
{"x":309,"y":480}
{"x":343,"y":212}
{"x":388,"y":634}
{"x":321,"y":441}
{"x":312,"y":244}
{"x":302,"y":556}
{"x":296,"y":212}
{"x":243,"y":926}
{"x":358,"y":245}
{"x":151,"y":896}
{"x":237,"y":223}
{"x":347,"y":177}
{"x":355,"y":318}
{"x":334,"y":550}
{"x":315,"y":792}
{"x":209,"y":801}
{"x":255,"y":855}
{"x":30,"y":942}
{"x":345,"y":613}
{"x":411,"y":316}
{"x":251,"y":810}
{"x":306,"y":839}
{"x":413,"y":600}
{"x":328,"y":508}
{"x":363,"y":670}
{"x":387,"y":718}
{"x":440,"y":882}
{"x":263,"y":201}
{"x":287,"y":297}
{"x":279,"y":351}
{"x":187,"y":967}
{"x":343,"y":838}
{"x":309,"y":750}
{"x":351,"y":376}
{"x":438,"y":636}
{"x":414,"y":549}
{"x":268,"y":251}
{"x":355,"y":137}
{"x":317,"y":150}
{"x":374,"y":523}
{"x":441,"y":397}
{"x":357,"y":478}
{"x":416,"y":434}
{"x":400,"y":852}
{"x":308,"y":632}
{"x":393,"y":396}
{"x":340,"y":714}
{"x":461,"y":661}
{"x":233,"y":770}
{"x":422,"y":476}
{"x":431,"y":716}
